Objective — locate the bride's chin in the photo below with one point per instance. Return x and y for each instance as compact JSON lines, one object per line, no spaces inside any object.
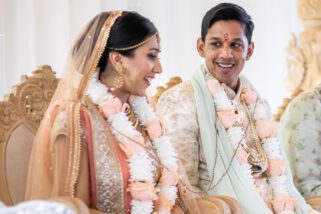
{"x":139,"y":93}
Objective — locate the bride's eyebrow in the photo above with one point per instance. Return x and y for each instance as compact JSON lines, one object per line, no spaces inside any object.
{"x":155,"y":49}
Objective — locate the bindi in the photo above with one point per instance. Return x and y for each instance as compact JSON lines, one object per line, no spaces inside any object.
{"x":225,"y":37}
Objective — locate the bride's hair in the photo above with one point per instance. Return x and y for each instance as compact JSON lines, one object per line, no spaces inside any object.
{"x":128,"y":30}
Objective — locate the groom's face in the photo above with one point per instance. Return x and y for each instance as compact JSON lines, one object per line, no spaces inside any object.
{"x":225,"y":50}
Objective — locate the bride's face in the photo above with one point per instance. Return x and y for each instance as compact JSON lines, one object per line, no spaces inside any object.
{"x":142,"y":67}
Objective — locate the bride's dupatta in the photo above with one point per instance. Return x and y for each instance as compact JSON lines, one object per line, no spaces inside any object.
{"x":70,"y":156}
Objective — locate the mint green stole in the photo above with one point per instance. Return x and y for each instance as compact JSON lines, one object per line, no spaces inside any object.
{"x":234,"y":183}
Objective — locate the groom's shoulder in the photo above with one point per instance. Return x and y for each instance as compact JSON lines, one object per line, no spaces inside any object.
{"x":181,"y":91}
{"x":178,"y":94}
{"x":179,"y":98}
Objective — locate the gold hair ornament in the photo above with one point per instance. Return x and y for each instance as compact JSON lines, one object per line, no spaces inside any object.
{"x":137,"y":45}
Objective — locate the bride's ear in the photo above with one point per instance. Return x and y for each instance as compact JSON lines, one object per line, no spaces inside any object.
{"x":115,"y":59}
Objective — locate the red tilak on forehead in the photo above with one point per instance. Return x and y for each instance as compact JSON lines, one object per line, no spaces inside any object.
{"x":225,"y":37}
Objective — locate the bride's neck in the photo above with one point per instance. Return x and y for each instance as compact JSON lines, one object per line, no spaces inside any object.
{"x":122,"y":95}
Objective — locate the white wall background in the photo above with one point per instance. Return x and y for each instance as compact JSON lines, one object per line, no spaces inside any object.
{"x":36,"y":32}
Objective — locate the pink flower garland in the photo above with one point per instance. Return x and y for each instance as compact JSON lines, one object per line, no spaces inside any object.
{"x":142,"y":186}
{"x":266,"y":129}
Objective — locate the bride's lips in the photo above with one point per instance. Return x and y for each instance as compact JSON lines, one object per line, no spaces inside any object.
{"x":148,"y":80}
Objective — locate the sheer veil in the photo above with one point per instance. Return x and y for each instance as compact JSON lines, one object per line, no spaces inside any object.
{"x":44,"y":182}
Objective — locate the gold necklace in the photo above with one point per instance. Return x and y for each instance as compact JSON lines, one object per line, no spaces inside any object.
{"x":257,"y":156}
{"x":133,"y":118}
{"x":127,"y":109}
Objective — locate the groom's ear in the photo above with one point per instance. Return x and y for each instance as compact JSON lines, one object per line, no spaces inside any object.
{"x":200,"y":46}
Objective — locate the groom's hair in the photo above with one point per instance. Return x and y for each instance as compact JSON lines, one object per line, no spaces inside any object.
{"x":227,"y":11}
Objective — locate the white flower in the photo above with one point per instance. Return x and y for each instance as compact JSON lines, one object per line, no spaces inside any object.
{"x":248,"y":172}
{"x":168,"y":191}
{"x":142,"y":207}
{"x":279,"y":185}
{"x":235,"y":135}
{"x":272,"y":148}
{"x":222,"y":102}
{"x":166,"y":152}
{"x":97,"y":91}
{"x":144,"y":111}
{"x":260,"y":111}
{"x":121,"y":124}
{"x":141,"y":168}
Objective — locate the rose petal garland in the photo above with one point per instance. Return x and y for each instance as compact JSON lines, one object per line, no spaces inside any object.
{"x":141,"y":168}
{"x":282,"y":202}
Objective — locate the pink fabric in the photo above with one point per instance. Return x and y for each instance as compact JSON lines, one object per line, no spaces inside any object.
{"x":92,"y":173}
{"x":276,"y":167}
{"x":131,"y":147}
{"x":281,"y":203}
{"x":169,"y":177}
{"x":163,"y":205}
{"x":154,"y":129}
{"x":143,"y":191}
{"x":228,"y":118}
{"x":241,"y":156}
{"x":214,"y":86}
{"x":264,"y":190}
{"x":265,"y":128}
{"x":110,"y":107}
{"x":248,"y":96}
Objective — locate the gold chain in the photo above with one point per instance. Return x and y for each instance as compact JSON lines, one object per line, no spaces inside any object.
{"x":257,"y":156}
{"x":127,"y":109}
{"x":136,"y":45}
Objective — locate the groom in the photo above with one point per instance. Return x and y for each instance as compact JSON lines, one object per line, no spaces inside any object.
{"x":221,"y":127}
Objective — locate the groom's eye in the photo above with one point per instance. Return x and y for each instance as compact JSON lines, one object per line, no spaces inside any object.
{"x":216,"y":44}
{"x":236,"y":45}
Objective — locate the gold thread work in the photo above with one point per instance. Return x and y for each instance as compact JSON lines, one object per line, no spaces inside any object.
{"x":75,"y":146}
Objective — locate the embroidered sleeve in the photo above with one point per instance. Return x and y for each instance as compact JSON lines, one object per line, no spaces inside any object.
{"x":176,"y":109}
{"x":300,"y":129}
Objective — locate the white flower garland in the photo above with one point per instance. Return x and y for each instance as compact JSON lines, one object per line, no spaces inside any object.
{"x":236,"y":135}
{"x":140,"y":165}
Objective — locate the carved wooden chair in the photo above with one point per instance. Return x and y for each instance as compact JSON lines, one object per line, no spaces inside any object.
{"x":20,"y":116}
{"x":161,"y":89}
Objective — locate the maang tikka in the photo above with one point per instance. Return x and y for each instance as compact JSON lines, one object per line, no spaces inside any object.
{"x":118,"y":81}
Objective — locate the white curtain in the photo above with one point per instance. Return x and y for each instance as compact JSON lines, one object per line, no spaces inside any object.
{"x":36,"y":32}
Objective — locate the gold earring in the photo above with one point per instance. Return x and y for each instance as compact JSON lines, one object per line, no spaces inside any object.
{"x":118,"y":81}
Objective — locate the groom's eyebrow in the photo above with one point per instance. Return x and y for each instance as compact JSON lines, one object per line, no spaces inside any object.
{"x":215,"y":38}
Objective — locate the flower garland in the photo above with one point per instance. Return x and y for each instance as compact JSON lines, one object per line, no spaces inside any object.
{"x":282,"y":202}
{"x":142,"y":187}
